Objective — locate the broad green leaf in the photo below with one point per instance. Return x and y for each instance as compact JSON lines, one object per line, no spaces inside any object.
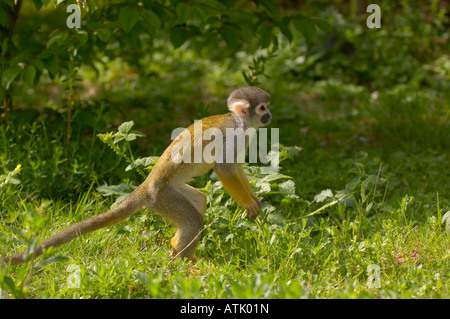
{"x":215,"y":4}
{"x":284,"y":28}
{"x":38,"y":64}
{"x":93,"y":24}
{"x":128,"y":17}
{"x":305,"y":26}
{"x":37,"y":4}
{"x":184,"y":12}
{"x":322,"y":24}
{"x":51,"y":63}
{"x":265,"y":33}
{"x":4,"y":47}
{"x":4,"y":21}
{"x":83,"y":37}
{"x":29,"y":74}
{"x":199,"y":13}
{"x":10,"y":75}
{"x":271,"y":7}
{"x":58,"y":38}
{"x":104,"y":34}
{"x":153,"y":18}
{"x":178,"y":36}
{"x":230,"y":36}
{"x":10,"y":3}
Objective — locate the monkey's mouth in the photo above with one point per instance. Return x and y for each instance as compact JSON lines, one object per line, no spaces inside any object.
{"x":265,"y":118}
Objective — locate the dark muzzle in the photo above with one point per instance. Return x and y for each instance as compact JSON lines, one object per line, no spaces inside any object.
{"x":266,"y":118}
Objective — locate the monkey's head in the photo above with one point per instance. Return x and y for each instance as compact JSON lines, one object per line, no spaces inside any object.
{"x":251,"y":104}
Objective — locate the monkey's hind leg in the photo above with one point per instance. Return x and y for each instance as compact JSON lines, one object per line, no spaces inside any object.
{"x":183,"y":206}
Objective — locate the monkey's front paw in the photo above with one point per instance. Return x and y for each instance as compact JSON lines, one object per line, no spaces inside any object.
{"x":253,"y":210}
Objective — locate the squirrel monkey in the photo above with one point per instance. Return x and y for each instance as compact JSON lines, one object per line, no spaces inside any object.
{"x":165,"y":191}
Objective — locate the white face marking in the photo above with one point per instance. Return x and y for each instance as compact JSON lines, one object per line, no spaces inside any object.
{"x":262,"y":108}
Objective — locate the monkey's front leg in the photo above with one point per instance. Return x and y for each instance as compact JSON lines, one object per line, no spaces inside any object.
{"x":235,"y":182}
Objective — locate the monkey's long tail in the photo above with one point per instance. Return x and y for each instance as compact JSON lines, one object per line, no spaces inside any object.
{"x":128,"y":207}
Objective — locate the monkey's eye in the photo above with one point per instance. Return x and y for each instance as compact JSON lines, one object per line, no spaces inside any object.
{"x":262,"y":108}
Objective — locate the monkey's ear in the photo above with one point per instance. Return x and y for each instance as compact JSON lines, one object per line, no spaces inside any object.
{"x":239,"y":108}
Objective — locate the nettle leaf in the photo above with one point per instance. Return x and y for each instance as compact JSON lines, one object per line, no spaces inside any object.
{"x":353,"y":183}
{"x":370,"y":180}
{"x":274,"y":176}
{"x":446,"y":221}
{"x":10,"y":75}
{"x":105,"y":138}
{"x":262,"y":187}
{"x":287,"y":187}
{"x":323,"y":195}
{"x":125,"y":127}
{"x":133,"y":135}
{"x":145,"y":161}
{"x":121,"y":190}
{"x":128,"y":17}
{"x":290,"y":199}
{"x":292,"y":150}
{"x":305,"y":26}
{"x":276,"y":218}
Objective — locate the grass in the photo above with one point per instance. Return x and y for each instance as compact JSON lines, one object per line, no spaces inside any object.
{"x":360,"y":208}
{"x":356,"y":204}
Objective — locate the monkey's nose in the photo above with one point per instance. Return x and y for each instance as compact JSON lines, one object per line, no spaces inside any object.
{"x":266,"y":118}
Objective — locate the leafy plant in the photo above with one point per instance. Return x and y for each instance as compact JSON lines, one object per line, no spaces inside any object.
{"x":125,"y":134}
